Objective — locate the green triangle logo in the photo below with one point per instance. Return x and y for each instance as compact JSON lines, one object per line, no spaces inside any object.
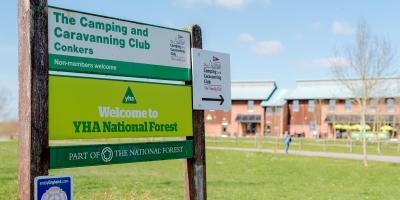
{"x":129,"y":97}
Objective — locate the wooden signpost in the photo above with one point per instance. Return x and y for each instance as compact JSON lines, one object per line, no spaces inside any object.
{"x":195,"y":168}
{"x":50,"y":107}
{"x":33,"y":147}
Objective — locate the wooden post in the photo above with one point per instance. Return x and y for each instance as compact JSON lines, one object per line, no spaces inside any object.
{"x":351,"y":145}
{"x":301,"y":143}
{"x":195,"y":168}
{"x":378,"y":146}
{"x":33,"y":151}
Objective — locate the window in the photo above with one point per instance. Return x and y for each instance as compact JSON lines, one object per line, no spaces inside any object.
{"x":277,"y":110}
{"x":390,"y":104}
{"x":347,"y":104}
{"x":250,"y":105}
{"x":295,"y":105}
{"x":311,"y":105}
{"x":313,"y":125}
{"x":269,"y":110}
{"x":332,"y":104}
{"x":372,"y":104}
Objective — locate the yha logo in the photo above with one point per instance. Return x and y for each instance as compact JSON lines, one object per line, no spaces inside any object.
{"x":129,"y":97}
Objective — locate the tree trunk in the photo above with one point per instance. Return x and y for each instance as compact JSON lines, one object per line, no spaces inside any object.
{"x":364,"y":137}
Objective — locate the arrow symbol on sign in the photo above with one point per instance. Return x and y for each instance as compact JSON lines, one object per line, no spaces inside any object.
{"x":221,"y":99}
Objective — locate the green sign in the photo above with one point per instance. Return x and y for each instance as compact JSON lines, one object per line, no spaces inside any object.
{"x":104,"y":154}
{"x":95,"y":108}
{"x":88,"y":43}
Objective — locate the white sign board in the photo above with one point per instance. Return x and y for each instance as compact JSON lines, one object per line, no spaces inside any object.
{"x":211,"y":80}
{"x":88,"y":43}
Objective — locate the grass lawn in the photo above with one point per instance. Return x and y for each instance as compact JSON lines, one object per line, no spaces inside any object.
{"x":230,"y":175}
{"x":306,"y":145}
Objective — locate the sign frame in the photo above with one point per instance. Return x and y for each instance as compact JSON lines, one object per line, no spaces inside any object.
{"x":125,"y":67}
{"x":211,"y":80}
{"x":62,"y":119}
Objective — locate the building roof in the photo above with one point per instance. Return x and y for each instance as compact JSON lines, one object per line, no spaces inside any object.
{"x":252,"y":90}
{"x":334,"y":89}
{"x":277,"y":98}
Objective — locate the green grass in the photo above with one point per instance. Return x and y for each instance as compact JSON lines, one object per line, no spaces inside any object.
{"x":230,"y":175}
{"x":8,"y":170}
{"x":307,"y":145}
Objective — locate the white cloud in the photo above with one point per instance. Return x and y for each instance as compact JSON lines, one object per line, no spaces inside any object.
{"x":267,"y":47}
{"x":341,"y":28}
{"x":246,"y":37}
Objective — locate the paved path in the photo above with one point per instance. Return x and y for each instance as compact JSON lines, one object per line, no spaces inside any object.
{"x":390,"y":159}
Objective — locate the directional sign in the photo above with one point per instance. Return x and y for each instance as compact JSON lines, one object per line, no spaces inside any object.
{"x":211,"y":80}
{"x":96,"y":108}
{"x":53,"y":187}
{"x":88,"y":43}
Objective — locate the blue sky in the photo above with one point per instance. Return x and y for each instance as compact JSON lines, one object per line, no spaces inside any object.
{"x":281,"y":40}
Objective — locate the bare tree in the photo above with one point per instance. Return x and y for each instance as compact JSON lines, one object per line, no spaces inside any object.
{"x":4,"y":104}
{"x":367,"y":62}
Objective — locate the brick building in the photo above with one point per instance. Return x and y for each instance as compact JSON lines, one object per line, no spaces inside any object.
{"x":316,"y":106}
{"x":247,"y":115}
{"x":313,"y":109}
{"x":276,"y":113}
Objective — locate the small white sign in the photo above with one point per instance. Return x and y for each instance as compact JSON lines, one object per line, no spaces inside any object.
{"x":211,"y":80}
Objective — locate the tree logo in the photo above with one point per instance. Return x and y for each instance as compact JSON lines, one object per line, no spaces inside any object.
{"x":129,"y":97}
{"x":107,"y":154}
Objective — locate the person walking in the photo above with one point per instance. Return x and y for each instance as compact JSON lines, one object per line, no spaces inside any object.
{"x":288,"y":140}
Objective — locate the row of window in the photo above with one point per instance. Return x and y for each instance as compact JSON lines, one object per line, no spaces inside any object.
{"x":270,"y":111}
{"x":250,"y":108}
{"x":347,"y":105}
